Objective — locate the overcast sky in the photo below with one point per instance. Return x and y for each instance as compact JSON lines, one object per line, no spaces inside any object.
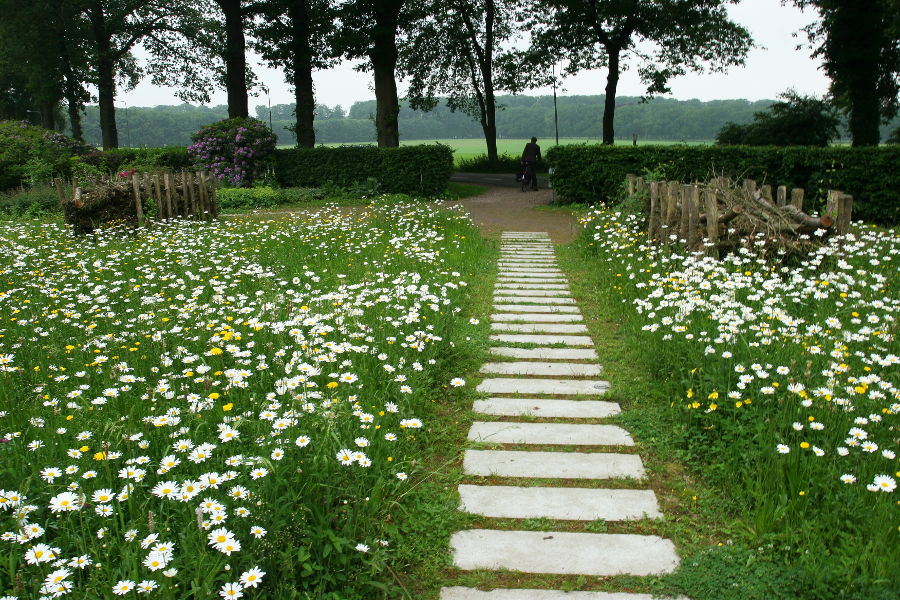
{"x":771,"y":68}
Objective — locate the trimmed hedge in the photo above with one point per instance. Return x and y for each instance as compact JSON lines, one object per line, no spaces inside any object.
{"x":114,"y":160}
{"x":416,"y":170}
{"x":506,"y":163}
{"x":594,"y":173}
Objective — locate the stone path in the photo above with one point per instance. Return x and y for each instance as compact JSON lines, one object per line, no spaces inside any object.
{"x":546,"y":375}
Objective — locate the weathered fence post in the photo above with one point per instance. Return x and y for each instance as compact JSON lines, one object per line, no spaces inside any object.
{"x":845,"y":210}
{"x":212,"y":196}
{"x":694,"y":236}
{"x":781,"y":195}
{"x":161,"y":205}
{"x":683,"y":231}
{"x":167,"y":183}
{"x":630,"y":183}
{"x":136,"y":187}
{"x":201,"y":193}
{"x":712,"y":216}
{"x":797,"y":198}
{"x":766,"y":192}
{"x":653,"y":217}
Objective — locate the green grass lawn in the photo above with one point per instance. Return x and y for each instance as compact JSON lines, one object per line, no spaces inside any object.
{"x":472,"y":147}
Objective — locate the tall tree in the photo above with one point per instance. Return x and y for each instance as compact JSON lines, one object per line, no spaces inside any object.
{"x":859,"y":44}
{"x":296,"y":35}
{"x":167,"y":29}
{"x":667,"y":37}
{"x":237,"y":16}
{"x":457,"y":51}
{"x":369,"y":29}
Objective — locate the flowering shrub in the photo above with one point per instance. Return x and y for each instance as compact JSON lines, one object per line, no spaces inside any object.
{"x":236,"y":151}
{"x":238,"y":422}
{"x":785,"y":376}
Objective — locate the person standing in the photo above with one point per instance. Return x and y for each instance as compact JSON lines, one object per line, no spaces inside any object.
{"x":530,"y":157}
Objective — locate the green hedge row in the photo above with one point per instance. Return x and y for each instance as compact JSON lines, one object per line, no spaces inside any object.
{"x":173,"y":158}
{"x":594,"y":173}
{"x":415,"y":170}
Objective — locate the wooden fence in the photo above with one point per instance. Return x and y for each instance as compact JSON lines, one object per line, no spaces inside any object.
{"x":701,"y":213}
{"x":186,"y":195}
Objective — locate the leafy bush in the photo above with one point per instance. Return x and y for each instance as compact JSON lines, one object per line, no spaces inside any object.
{"x":506,"y":163}
{"x":593,"y":173}
{"x":236,"y":151}
{"x":173,"y":158}
{"x":422,"y":170}
{"x":31,"y":154}
{"x":795,"y":121}
{"x":29,"y":202}
{"x":265,"y":197}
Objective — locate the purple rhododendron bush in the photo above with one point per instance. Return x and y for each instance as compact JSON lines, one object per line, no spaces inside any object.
{"x":236,"y":151}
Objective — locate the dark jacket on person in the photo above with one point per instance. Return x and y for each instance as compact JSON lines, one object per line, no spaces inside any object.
{"x":532,"y":153}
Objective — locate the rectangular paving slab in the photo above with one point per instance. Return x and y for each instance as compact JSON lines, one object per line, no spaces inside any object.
{"x":536,"y":317}
{"x":563,"y":553}
{"x":552,"y":407}
{"x":553,"y":465}
{"x":532,"y":293}
{"x":464,"y":593}
{"x":540,"y":327}
{"x":552,"y":270}
{"x":530,"y":308}
{"x":530,"y":286}
{"x":571,"y":504}
{"x":500,"y":298}
{"x":553,"y":434}
{"x":568,"y":387}
{"x":548,"y":369}
{"x":543,"y":340}
{"x":546,"y":353}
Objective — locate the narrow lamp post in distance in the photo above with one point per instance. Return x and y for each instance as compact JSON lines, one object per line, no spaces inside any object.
{"x":555,"y":114}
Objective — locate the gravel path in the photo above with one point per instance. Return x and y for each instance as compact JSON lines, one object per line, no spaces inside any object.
{"x":509,"y":209}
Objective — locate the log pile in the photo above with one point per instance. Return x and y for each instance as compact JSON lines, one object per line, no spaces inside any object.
{"x":138,"y":199}
{"x":721,"y":215}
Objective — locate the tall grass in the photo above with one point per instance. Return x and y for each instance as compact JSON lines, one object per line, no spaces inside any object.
{"x":223,"y":410}
{"x":782,"y":377}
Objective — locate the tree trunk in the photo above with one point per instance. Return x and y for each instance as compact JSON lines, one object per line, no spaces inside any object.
{"x":384,"y":64}
{"x":48,"y":114}
{"x":106,"y":96}
{"x":487,"y":75}
{"x":609,"y":106}
{"x":235,"y":59}
{"x":74,"y":108}
{"x":106,"y":77}
{"x":304,"y":92}
{"x":857,"y":38}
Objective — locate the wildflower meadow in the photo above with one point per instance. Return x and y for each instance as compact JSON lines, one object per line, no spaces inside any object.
{"x":229,"y":410}
{"x":782,"y":371}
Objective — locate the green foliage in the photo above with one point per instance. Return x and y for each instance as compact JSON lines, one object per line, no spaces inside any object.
{"x":29,"y":153}
{"x":29,"y":202}
{"x":505,"y":163}
{"x":795,"y":121}
{"x":115,"y":160}
{"x":419,"y":170}
{"x":594,"y":173}
{"x":265,"y":197}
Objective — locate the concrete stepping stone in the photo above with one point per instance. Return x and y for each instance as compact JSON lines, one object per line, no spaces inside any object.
{"x":571,"y":504}
{"x":532,"y":407}
{"x":530,"y":308}
{"x":530,"y":275}
{"x":543,"y":340}
{"x":530,"y":286}
{"x":536,"y":317}
{"x":546,"y":353}
{"x":551,"y":434}
{"x":540,"y":327}
{"x":464,"y":593}
{"x":563,"y":553}
{"x":533,"y":293}
{"x":553,"y":465}
{"x":553,"y":270}
{"x":512,"y":279}
{"x":567,"y":387}
{"x":506,"y":299}
{"x":547,"y":369}
{"x":527,"y":254}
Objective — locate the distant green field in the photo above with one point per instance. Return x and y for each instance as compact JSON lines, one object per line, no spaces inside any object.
{"x":471,"y":147}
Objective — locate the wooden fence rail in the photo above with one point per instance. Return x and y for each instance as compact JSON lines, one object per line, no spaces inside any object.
{"x":703,"y":214}
{"x":185,"y":195}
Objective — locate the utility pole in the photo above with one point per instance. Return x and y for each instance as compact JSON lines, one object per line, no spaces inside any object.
{"x":555,"y":113}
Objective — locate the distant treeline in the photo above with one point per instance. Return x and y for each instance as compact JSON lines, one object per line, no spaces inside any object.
{"x":521,"y":117}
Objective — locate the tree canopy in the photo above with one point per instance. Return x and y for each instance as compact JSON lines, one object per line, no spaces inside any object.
{"x":794,"y":121}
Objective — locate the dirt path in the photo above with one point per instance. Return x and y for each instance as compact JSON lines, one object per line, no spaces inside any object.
{"x":510,"y":209}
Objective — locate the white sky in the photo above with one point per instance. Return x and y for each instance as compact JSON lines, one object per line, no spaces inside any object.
{"x":771,"y":69}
